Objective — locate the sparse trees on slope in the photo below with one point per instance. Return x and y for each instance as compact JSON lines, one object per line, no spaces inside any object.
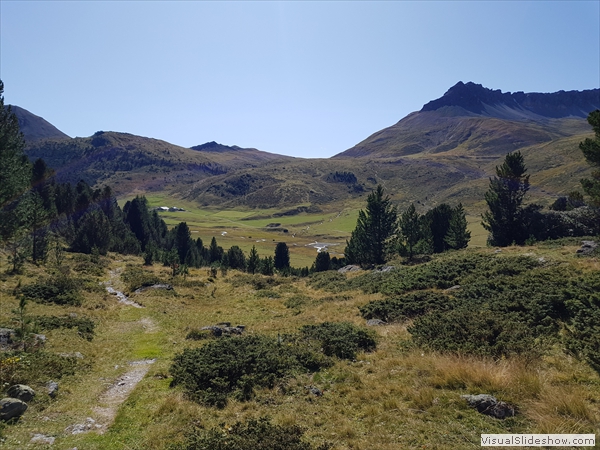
{"x":375,"y":228}
{"x":591,"y":151}
{"x":505,"y":196}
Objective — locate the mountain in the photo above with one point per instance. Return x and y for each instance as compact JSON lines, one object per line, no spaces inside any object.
{"x":34,"y":127}
{"x":445,"y":152}
{"x":472,"y":120}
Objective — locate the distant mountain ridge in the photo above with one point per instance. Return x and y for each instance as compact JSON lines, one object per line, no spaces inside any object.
{"x":473,"y":120}
{"x":445,"y":152}
{"x":480,"y":100}
{"x":35,"y":127}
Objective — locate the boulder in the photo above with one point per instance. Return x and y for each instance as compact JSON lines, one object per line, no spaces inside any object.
{"x":350,"y":268}
{"x":11,"y":408}
{"x":587,"y":247}
{"x":375,"y":322}
{"x":21,"y":392}
{"x":6,"y":336}
{"x":489,"y":405}
{"x":52,"y":388}
{"x":42,"y":439}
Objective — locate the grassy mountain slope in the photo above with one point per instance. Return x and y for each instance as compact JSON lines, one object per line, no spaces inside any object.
{"x":34,"y":127}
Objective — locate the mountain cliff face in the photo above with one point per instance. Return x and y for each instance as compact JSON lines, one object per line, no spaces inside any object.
{"x":519,"y":105}
{"x":472,"y":120}
{"x":34,"y":127}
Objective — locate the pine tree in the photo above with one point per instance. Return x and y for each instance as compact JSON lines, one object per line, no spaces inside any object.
{"x":370,"y":242}
{"x":458,"y":236}
{"x":591,"y":151}
{"x":253,"y":261}
{"x":322,"y":262}
{"x":236,"y":258}
{"x":505,"y":196}
{"x":410,"y":229}
{"x":15,"y":169}
{"x":282,"y":256}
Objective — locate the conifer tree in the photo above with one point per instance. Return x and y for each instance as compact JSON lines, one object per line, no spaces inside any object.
{"x":505,"y":196}
{"x":282,"y":256}
{"x":591,"y":151}
{"x":458,"y":236}
{"x":370,"y":242}
{"x":253,"y":261}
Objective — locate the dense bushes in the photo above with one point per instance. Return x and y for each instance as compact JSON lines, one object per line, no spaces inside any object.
{"x":406,"y":306}
{"x":35,"y":368}
{"x":85,"y":327}
{"x":478,"y":332}
{"x":136,"y":277}
{"x":258,"y":434}
{"x":60,"y":289}
{"x":235,"y":366}
{"x":340,"y":339}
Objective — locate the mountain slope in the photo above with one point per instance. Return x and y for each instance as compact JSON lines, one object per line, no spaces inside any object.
{"x":477,"y":121}
{"x":34,"y":127}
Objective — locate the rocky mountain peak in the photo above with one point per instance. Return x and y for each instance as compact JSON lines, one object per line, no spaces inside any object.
{"x":478,"y":99}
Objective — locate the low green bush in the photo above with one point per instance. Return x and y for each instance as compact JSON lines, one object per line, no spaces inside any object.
{"x":258,"y":434}
{"x":85,"y":327}
{"x":296,"y":301}
{"x":406,"y":306}
{"x":582,"y":336}
{"x":235,"y":366}
{"x":473,"y":331}
{"x":136,"y":277}
{"x":342,"y":339}
{"x":60,"y":289}
{"x":35,"y":368}
{"x":330,"y":281}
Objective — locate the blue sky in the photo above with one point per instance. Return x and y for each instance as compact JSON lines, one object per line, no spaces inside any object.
{"x":307,"y":79}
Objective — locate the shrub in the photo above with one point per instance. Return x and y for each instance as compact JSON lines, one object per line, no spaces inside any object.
{"x":85,"y":327}
{"x":136,"y":277}
{"x":477,"y":332}
{"x":235,"y":366}
{"x":329,"y":280}
{"x":296,"y":301}
{"x":60,"y":289}
{"x":583,"y":334}
{"x":35,"y":368}
{"x":406,"y":306}
{"x":340,"y":339}
{"x":258,"y":434}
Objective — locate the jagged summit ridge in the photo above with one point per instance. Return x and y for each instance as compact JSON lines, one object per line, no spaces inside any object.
{"x":477,"y":99}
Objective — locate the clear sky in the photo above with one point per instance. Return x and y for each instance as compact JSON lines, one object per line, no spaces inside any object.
{"x":307,"y":79}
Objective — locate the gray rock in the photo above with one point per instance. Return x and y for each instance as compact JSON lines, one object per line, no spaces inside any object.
{"x":42,"y":439}
{"x":11,"y":408}
{"x":6,"y":336}
{"x":78,"y":428}
{"x":587,"y":247}
{"x":315,"y":390}
{"x":52,"y":388}
{"x":489,"y":405}
{"x":453,"y":288}
{"x":375,"y":322}
{"x":384,"y":269}
{"x":350,"y":268}
{"x":21,"y":392}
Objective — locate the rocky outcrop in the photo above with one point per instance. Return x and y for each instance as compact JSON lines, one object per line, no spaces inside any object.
{"x":52,"y":387}
{"x":587,"y":247}
{"x":490,"y":406}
